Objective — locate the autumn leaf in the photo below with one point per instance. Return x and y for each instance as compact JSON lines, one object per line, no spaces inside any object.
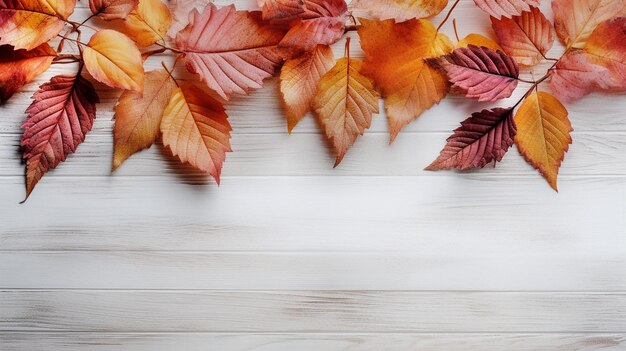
{"x":601,"y":65}
{"x":148,"y":23}
{"x":526,"y":37}
{"x":298,"y":81}
{"x":181,"y":11}
{"x":394,"y":59}
{"x":543,"y":133}
{"x":575,"y":20}
{"x":195,"y":127}
{"x":345,"y":103}
{"x":138,"y":116}
{"x":480,"y":72}
{"x":506,"y":8}
{"x":478,"y":40}
{"x":113,"y":59}
{"x":112,"y":9}
{"x":18,"y":67}
{"x":281,"y":10}
{"x":481,"y":139}
{"x":232,"y":51}
{"x":61,"y":114}
{"x":26,"y":24}
{"x":322,"y":23}
{"x":401,"y":10}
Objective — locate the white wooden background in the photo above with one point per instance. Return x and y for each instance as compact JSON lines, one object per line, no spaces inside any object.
{"x":289,"y":254}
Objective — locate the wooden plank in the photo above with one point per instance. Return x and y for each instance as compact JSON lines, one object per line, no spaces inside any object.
{"x":308,"y":154}
{"x":452,"y":269}
{"x":67,"y":341}
{"x":311,"y":311}
{"x":420,"y":215}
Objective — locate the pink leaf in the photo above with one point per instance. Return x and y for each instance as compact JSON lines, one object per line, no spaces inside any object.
{"x":322,"y":23}
{"x":506,"y":8}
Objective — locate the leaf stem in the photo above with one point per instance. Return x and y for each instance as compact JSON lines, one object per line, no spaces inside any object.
{"x":169,"y":48}
{"x":347,"y":48}
{"x":456,"y":34}
{"x":447,"y":15}
{"x":170,"y":72}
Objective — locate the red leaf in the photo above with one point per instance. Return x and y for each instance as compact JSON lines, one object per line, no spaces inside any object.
{"x":281,"y":10}
{"x":483,"y":138}
{"x":112,"y":9}
{"x":481,"y":72}
{"x":322,"y":23}
{"x":232,"y":51}
{"x":506,"y":8}
{"x":575,"y":76}
{"x":18,"y":67}
{"x":61,"y":114}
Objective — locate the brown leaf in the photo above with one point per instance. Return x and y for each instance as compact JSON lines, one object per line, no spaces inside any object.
{"x":112,"y":9}
{"x":18,"y":67}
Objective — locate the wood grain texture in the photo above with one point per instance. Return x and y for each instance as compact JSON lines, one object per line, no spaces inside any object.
{"x":289,"y":254}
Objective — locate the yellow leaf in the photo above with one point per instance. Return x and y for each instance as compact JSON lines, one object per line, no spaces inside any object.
{"x":344,"y":104}
{"x":543,"y":133}
{"x":394,"y":58}
{"x":298,"y":81}
{"x":195,"y":127}
{"x":575,"y":20}
{"x":148,"y":22}
{"x":478,"y":40}
{"x":114,"y":60}
{"x":138,"y":116}
{"x":26,"y":24}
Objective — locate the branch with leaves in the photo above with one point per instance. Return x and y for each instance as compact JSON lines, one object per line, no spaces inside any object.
{"x":408,"y":62}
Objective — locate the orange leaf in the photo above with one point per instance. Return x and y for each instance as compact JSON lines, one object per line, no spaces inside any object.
{"x":232,"y":51}
{"x":298,"y":81}
{"x":112,"y":9}
{"x":114,"y":60}
{"x":601,"y":65}
{"x":18,"y":67}
{"x":61,"y":114}
{"x":505,"y":8}
{"x":543,"y":133}
{"x":195,"y":127}
{"x":394,"y":59}
{"x":401,"y":10}
{"x":345,"y":103}
{"x":322,"y":23}
{"x":478,"y":40}
{"x":526,"y":38}
{"x":26,"y":24}
{"x":148,"y":22}
{"x":574,"y":20}
{"x":138,"y":117}
{"x":282,"y":10}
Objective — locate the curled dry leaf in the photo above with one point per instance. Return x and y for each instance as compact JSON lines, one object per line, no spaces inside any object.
{"x":281,"y":10}
{"x":322,"y":23}
{"x":196,"y":129}
{"x":345,"y":103}
{"x":26,"y":24}
{"x":480,"y":72}
{"x":18,"y":67}
{"x":148,"y":23}
{"x":113,"y":59}
{"x":232,"y":51}
{"x":575,"y":20}
{"x":481,"y":139}
{"x":61,"y":114}
{"x":506,"y":8}
{"x":526,"y":37}
{"x":298,"y":81}
{"x":543,"y":134}
{"x":138,"y":116}
{"x":401,"y":10}
{"x":112,"y":9}
{"x":478,"y":40}
{"x":601,"y":65}
{"x":181,"y":11}
{"x":394,"y":59}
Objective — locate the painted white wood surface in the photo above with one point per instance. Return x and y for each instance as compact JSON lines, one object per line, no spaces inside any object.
{"x":290,"y":254}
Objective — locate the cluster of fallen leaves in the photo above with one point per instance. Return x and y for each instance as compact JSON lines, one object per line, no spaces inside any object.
{"x":408,"y":62}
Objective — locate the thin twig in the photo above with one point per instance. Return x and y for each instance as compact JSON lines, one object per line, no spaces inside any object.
{"x":447,"y":15}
